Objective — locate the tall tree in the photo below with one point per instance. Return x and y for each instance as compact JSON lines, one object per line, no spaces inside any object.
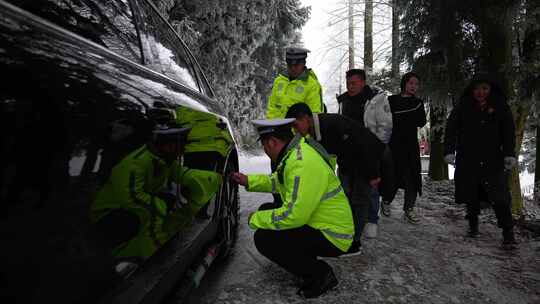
{"x":368,"y":36}
{"x":528,"y":42}
{"x":495,"y":24}
{"x":395,"y":39}
{"x":351,"y":34}
{"x":240,"y":44}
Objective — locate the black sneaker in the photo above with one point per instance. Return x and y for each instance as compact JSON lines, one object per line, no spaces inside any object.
{"x":509,"y":242}
{"x":319,"y":286}
{"x":410,"y":216}
{"x":353,"y":250}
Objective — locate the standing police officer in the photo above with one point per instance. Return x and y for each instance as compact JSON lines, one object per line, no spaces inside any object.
{"x":297,"y":84}
{"x":315,"y":218}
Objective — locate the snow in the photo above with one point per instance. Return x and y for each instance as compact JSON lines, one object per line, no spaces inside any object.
{"x":427,"y":263}
{"x":257,"y":163}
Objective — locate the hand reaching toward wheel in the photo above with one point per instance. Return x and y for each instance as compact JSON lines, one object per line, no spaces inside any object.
{"x":239,"y":178}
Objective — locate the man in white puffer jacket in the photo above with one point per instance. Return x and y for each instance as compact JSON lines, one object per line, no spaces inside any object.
{"x":370,"y":107}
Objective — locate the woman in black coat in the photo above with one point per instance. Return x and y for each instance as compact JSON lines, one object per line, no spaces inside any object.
{"x":408,"y":115}
{"x":480,"y":131}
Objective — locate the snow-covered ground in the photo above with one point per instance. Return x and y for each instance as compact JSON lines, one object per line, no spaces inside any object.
{"x":427,"y":263}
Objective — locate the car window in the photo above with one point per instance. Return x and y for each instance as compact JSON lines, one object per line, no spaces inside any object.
{"x":163,"y":49}
{"x":108,"y":23}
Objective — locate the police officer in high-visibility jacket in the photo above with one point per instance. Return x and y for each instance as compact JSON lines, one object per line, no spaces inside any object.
{"x":315,"y":218}
{"x":297,"y":84}
{"x":132,"y":214}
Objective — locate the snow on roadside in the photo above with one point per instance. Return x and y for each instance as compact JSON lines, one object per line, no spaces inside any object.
{"x":432,"y":262}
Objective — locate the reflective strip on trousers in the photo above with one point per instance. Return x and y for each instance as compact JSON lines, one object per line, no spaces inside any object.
{"x":331,"y":194}
{"x":343,"y":236}
{"x":277,"y":218}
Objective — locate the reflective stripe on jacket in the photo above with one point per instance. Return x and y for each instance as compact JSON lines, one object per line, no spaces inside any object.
{"x":285,"y":93}
{"x":311,"y":194}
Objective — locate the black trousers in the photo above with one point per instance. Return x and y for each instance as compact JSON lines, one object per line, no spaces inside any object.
{"x":296,"y":250}
{"x":387,"y":185}
{"x":407,"y":180}
{"x":357,"y":189}
{"x":493,"y":188}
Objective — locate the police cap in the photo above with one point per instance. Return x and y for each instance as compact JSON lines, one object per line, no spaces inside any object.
{"x":267,"y":127}
{"x":295,"y":55}
{"x":167,"y":134}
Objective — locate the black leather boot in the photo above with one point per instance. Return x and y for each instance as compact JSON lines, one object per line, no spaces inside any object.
{"x":473,"y":226}
{"x":509,"y":242}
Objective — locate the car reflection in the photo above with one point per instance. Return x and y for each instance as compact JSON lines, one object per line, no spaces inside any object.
{"x":150,"y":196}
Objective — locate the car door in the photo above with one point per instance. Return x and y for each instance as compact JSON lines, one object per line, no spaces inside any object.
{"x":72,"y":109}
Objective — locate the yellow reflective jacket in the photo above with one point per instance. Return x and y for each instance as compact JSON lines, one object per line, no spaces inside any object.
{"x":285,"y":92}
{"x":311,"y":194}
{"x":133,"y":185}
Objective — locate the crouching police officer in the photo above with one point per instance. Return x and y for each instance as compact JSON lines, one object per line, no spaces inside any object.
{"x":131,"y":213}
{"x":315,"y":219}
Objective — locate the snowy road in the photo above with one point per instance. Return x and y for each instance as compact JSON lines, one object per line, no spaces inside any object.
{"x":428,"y":263}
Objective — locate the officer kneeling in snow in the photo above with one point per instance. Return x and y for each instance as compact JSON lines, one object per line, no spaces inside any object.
{"x":132,"y":214}
{"x":315,"y":219}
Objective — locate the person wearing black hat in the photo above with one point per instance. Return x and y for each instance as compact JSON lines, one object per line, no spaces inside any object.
{"x":132,"y":214}
{"x":297,"y":84}
{"x":315,"y":219}
{"x":480,"y":142}
{"x":356,"y":148}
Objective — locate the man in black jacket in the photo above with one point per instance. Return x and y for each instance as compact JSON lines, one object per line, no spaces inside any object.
{"x":370,"y":108}
{"x":358,"y":154}
{"x":352,"y":102}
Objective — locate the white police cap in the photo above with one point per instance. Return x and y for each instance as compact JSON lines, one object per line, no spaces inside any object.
{"x":296,"y":54}
{"x":268,"y":126}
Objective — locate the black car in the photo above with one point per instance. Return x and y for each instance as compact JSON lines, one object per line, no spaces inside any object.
{"x":90,"y":212}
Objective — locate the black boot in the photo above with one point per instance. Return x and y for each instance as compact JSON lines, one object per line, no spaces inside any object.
{"x":318,"y":286}
{"x":473,"y":226}
{"x":509,"y":242}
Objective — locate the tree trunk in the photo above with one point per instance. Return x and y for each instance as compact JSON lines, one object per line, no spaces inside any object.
{"x":438,"y":169}
{"x":520,"y":112}
{"x":368,"y":37}
{"x":495,"y":21}
{"x":537,"y":167}
{"x":395,"y":39}
{"x":351,"y":35}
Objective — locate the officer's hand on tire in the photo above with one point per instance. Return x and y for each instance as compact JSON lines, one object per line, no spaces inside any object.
{"x":509,"y":162}
{"x":239,"y":178}
{"x":450,"y":159}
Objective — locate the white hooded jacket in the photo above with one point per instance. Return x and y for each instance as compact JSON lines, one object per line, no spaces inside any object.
{"x":378,"y":117}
